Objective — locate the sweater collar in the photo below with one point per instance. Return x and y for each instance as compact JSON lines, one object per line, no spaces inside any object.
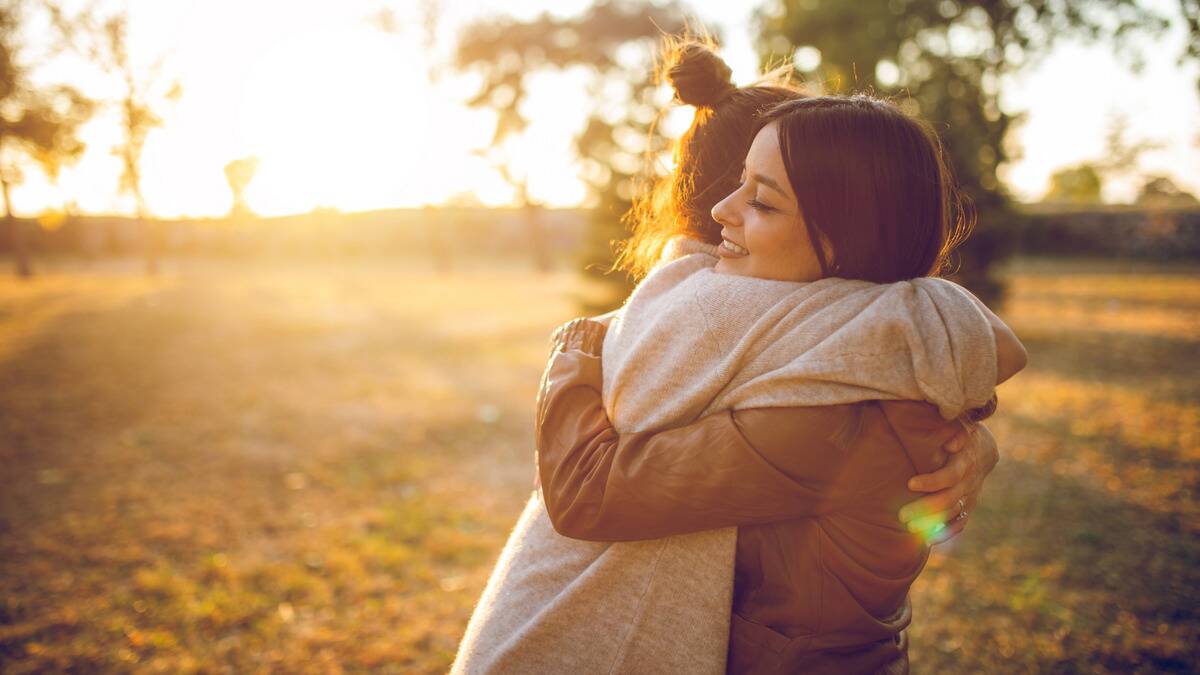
{"x":682,"y":245}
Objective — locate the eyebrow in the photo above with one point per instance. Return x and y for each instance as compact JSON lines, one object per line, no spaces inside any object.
{"x":770,"y":183}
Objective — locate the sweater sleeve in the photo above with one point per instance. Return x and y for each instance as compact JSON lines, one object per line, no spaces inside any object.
{"x":955,"y":357}
{"x":922,"y":339}
{"x":730,"y":468}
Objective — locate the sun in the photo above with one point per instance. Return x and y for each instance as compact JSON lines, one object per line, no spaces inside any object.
{"x":326,"y":113}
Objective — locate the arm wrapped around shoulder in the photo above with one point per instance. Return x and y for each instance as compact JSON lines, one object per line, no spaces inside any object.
{"x":954,"y":357}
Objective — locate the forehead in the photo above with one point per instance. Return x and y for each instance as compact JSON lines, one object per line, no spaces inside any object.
{"x":764,"y":157}
{"x":766,"y":139}
{"x":764,"y":151}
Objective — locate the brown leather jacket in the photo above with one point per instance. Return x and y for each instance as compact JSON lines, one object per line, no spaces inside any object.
{"x":823,"y":563}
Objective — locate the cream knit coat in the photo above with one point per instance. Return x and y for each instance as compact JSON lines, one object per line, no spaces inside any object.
{"x":690,"y":341}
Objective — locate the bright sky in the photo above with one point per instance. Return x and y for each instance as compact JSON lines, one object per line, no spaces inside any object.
{"x":340,"y":113}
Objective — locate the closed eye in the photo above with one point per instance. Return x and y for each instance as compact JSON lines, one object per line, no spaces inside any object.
{"x":759,"y":206}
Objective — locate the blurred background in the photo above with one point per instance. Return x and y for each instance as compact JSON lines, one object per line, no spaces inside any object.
{"x":279,"y":279}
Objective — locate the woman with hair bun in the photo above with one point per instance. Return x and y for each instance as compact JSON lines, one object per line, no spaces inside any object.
{"x":708,"y":156}
{"x":742,"y":453}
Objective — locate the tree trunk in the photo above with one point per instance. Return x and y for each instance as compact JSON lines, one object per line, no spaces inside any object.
{"x":17,"y":229}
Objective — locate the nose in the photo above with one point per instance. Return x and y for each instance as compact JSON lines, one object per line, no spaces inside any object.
{"x":723,"y":214}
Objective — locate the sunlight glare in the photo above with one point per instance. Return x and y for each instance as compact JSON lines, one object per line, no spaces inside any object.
{"x":322,"y":123}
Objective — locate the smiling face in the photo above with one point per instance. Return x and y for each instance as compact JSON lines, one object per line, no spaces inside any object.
{"x":763,"y":234}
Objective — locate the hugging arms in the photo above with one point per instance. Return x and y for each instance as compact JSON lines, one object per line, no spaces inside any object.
{"x":776,"y":306}
{"x":740,"y":467}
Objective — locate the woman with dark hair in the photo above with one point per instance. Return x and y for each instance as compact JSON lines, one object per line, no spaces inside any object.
{"x":764,"y":464}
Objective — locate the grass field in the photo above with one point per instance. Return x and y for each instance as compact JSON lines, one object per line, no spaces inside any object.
{"x":311,"y":469}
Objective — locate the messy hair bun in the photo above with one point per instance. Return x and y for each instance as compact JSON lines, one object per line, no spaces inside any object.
{"x":697,"y":74}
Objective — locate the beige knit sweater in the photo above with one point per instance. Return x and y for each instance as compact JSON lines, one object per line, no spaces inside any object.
{"x":691,"y":341}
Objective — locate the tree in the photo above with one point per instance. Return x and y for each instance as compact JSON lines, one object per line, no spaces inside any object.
{"x":105,"y":42}
{"x":1075,"y":185}
{"x":238,"y":174}
{"x":614,"y":41}
{"x":143,"y":94}
{"x":39,"y":123}
{"x":945,"y":60}
{"x":1190,"y":10}
{"x":1082,"y":184}
{"x":1121,"y":155}
{"x":1160,"y":192}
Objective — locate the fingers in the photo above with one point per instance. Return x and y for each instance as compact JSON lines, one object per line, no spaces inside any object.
{"x":952,"y":473}
{"x":927,"y":521}
{"x":939,"y":527}
{"x":945,"y":501}
{"x":946,"y":516}
{"x":928,"y":527}
{"x":935,"y":516}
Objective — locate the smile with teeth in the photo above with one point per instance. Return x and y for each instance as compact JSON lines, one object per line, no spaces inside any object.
{"x":734,"y":248}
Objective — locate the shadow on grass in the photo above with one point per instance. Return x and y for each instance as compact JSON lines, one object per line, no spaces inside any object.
{"x":1155,"y":364}
{"x":1056,"y":576}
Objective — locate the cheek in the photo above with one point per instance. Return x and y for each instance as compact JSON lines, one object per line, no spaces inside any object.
{"x":775,"y":236}
{"x":785,"y":250}
{"x":796,"y":241}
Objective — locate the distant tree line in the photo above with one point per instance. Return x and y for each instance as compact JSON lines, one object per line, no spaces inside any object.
{"x":942,"y":59}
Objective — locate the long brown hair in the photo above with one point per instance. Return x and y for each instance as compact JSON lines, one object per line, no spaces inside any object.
{"x":873,"y":183}
{"x":708,"y":156}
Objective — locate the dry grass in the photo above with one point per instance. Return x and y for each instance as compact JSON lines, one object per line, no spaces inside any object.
{"x":312,"y":468}
{"x":1083,"y":556}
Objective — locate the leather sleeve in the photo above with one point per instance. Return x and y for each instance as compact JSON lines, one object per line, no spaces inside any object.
{"x":740,"y":467}
{"x":582,"y":334}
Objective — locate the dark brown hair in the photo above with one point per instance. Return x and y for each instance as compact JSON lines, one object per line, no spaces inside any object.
{"x":873,"y":183}
{"x":708,"y":157}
